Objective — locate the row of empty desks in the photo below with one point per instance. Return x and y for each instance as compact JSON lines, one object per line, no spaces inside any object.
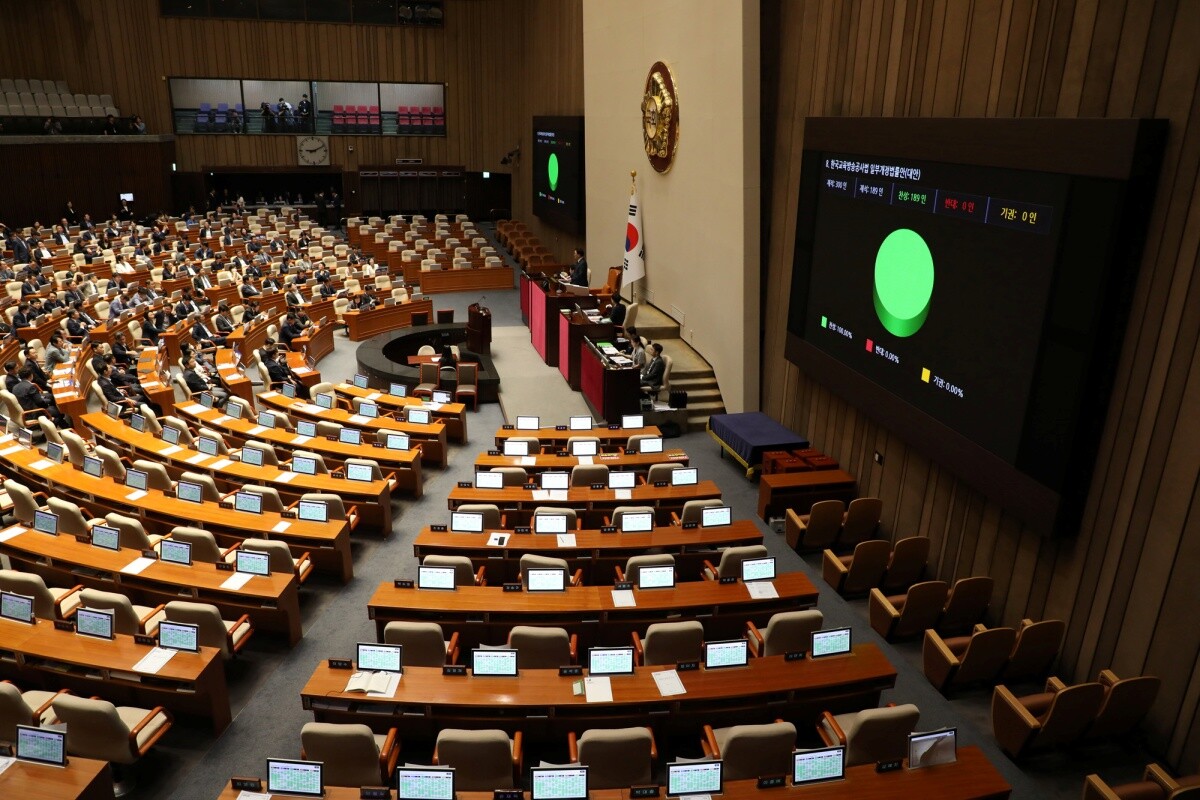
{"x":519,"y":503}
{"x":361,"y":325}
{"x":558,"y":435}
{"x":272,"y":601}
{"x":485,"y":614}
{"x":637,"y":462}
{"x":453,"y":414}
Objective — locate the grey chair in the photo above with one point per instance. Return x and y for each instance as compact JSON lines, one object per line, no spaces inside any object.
{"x":120,"y":735}
{"x":128,"y":618}
{"x":351,"y":753}
{"x":280,"y":557}
{"x":484,"y":760}
{"x":786,"y":632}
{"x":693,"y":511}
{"x":876,"y":734}
{"x":24,"y":708}
{"x":424,"y":645}
{"x":543,"y":648}
{"x":465,"y":573}
{"x":48,"y":602}
{"x":616,"y":758}
{"x":669,"y":643}
{"x":228,"y":636}
{"x":492,"y":518}
{"x":730,"y":565}
{"x":749,"y":751}
{"x":531,"y":560}
{"x":586,"y":474}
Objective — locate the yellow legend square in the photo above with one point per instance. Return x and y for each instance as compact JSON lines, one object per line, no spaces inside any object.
{"x":925,"y":374}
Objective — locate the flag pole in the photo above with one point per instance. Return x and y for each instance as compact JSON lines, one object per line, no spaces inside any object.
{"x":632,"y":192}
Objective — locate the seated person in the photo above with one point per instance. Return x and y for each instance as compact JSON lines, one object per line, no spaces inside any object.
{"x":361,"y":302}
{"x":57,"y":351}
{"x":21,"y":319}
{"x":32,"y":398}
{"x":39,"y":377}
{"x":224,"y":319}
{"x":10,"y":375}
{"x":121,"y":352}
{"x":616,"y":312}
{"x":112,"y":394}
{"x":199,"y":384}
{"x":652,"y":373}
{"x":204,"y":337}
{"x":280,"y":372}
{"x":291,"y":329}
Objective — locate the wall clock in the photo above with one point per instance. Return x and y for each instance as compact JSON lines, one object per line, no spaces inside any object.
{"x":312,"y":151}
{"x":660,"y":117}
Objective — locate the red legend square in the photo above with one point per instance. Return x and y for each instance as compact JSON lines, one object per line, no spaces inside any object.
{"x":870,"y":346}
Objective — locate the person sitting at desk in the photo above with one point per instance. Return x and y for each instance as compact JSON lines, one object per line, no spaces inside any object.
{"x":75,"y":325}
{"x":291,"y":329}
{"x":204,"y":337}
{"x":121,"y":352}
{"x":248,"y":289}
{"x":224,"y":319}
{"x":21,"y":318}
{"x":198,"y":384}
{"x":202,"y":281}
{"x":279,"y":372}
{"x":71,"y":293}
{"x":123,"y":267}
{"x":294,"y":297}
{"x":323,"y":288}
{"x":118,"y":306}
{"x":31,"y":398}
{"x":616,"y":312}
{"x":269,"y":284}
{"x":652,"y":373}
{"x":186,"y":305}
{"x":10,"y":375}
{"x":30,"y":286}
{"x":57,"y":351}
{"x":361,"y":302}
{"x":578,"y":276}
{"x":111,"y":393}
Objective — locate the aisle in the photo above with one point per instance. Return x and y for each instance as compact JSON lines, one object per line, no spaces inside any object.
{"x":527,"y":385}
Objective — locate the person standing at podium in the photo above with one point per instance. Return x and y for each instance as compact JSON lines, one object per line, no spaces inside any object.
{"x":579,"y":271}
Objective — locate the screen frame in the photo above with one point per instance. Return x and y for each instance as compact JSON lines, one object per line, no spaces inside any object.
{"x":320,"y":768}
{"x":632,"y":661}
{"x":195,"y":632}
{"x":797,"y":754}
{"x":812,"y":641}
{"x":425,"y":569}
{"x":913,"y":737}
{"x":677,"y":764}
{"x":60,"y":735}
{"x":445,"y":770}
{"x":515,"y":658}
{"x":399,"y":648}
{"x":745,"y":644}
{"x":534,"y":772}
{"x":32,"y":616}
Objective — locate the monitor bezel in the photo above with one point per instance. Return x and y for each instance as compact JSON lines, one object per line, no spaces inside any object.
{"x":192,"y":626}
{"x":676,"y":764}
{"x":320,"y":766}
{"x":403,"y":769}
{"x":112,"y":623}
{"x":529,"y":587}
{"x":745,"y":644}
{"x":237,"y":562}
{"x":397,"y":647}
{"x":796,"y":754}
{"x":61,"y":735}
{"x":515,"y":658}
{"x":32,"y":605}
{"x":454,"y":515}
{"x":812,"y":642}
{"x":535,"y":771}
{"x":423,"y":569}
{"x":632,"y":662}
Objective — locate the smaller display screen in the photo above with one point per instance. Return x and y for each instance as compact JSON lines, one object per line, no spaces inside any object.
{"x":622,"y":480}
{"x":397,"y":441}
{"x":558,"y":783}
{"x":814,"y":766}
{"x":546,"y":579}
{"x":556,"y":480}
{"x":179,"y":636}
{"x":380,"y":657}
{"x":684,"y":477}
{"x":658,"y":577}
{"x":651,"y":445}
{"x":250,"y":502}
{"x":466,"y":522}
{"x":173,"y":552}
{"x":516,"y":448}
{"x":528,"y":423}
{"x":633,"y":421}
{"x":716,"y":516}
{"x":732,"y":653}
{"x":418,"y":416}
{"x":435,"y":577}
{"x":489,"y":480}
{"x":549,"y":523}
{"x":106,"y":537}
{"x":94,"y":622}
{"x":191,"y":492}
{"x":637,"y":522}
{"x":610,"y":661}
{"x":253,"y":562}
{"x":831,"y":642}
{"x":758,"y":569}
{"x":494,"y":662}
{"x":693,"y":777}
{"x":580,"y":423}
{"x":363,"y":473}
{"x":313,"y":511}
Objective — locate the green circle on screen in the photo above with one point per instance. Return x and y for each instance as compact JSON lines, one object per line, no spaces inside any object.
{"x":552,"y":171}
{"x":903,"y":282}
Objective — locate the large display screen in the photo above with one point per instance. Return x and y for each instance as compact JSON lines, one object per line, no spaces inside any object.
{"x":965,"y":282}
{"x":558,"y":171}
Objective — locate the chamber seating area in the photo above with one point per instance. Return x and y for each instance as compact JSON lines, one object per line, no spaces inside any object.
{"x":26,"y":104}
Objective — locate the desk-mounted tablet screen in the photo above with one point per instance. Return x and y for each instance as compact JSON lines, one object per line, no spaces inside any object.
{"x":549,"y":523}
{"x":716,"y":516}
{"x":208,"y":445}
{"x":466,"y":522}
{"x":302,"y":778}
{"x":637,"y":522}
{"x":580,"y":423}
{"x":324,"y":400}
{"x":313,"y":511}
{"x":816,"y":766}
{"x":253,"y":562}
{"x":489,"y":480}
{"x":418,"y":416}
{"x":360,"y":381}
{"x":17,"y":607}
{"x":191,"y":492}
{"x":441,"y":396}
{"x":136,"y":479}
{"x":266,"y":419}
{"x":350,"y":436}
{"x":584,"y":448}
{"x":528,"y":423}
{"x":45,"y":522}
{"x":515,"y":448}
{"x":380,"y":657}
{"x":107,"y":537}
{"x":502,"y":663}
{"x":252,"y":456}
{"x":758,"y":569}
{"x":173,"y":552}
{"x":179,"y":636}
{"x":658,"y":577}
{"x":633,"y":421}
{"x":546,"y":579}
{"x":305,"y":465}
{"x":94,"y":622}
{"x":556,"y":480}
{"x":170,"y":435}
{"x":306,"y":428}
{"x":54,"y":452}
{"x":431,"y":783}
{"x":206,"y":399}
{"x":250,"y":502}
{"x":95,"y":467}
{"x":25,"y":435}
{"x":622,"y":480}
{"x":652,"y":445}
{"x":369,"y":410}
{"x":684,"y":477}
{"x":397,"y":441}
{"x":136,"y":421}
{"x":398,"y":389}
{"x":363,"y":473}
{"x":693,"y":777}
{"x":730,"y":653}
{"x":610,"y":660}
{"x":41,"y":745}
{"x":288,"y":390}
{"x":830,"y":642}
{"x":435,"y":577}
{"x":558,"y":783}
{"x":932,"y":748}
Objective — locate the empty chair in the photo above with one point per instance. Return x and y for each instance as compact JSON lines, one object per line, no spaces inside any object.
{"x":71,"y":520}
{"x":1156,"y":784}
{"x":280,"y":557}
{"x":512,"y":476}
{"x":875,"y":734}
{"x":133,"y":535}
{"x":751,"y":750}
{"x":208,"y":486}
{"x":534,"y":444}
{"x":271,"y":501}
{"x":427,"y":380}
{"x":620,"y":511}
{"x":616,"y":758}
{"x":967,"y":603}
{"x":1035,"y":649}
{"x":48,"y":602}
{"x":204,"y":544}
{"x":228,"y":636}
{"x":127,"y":618}
{"x":693,"y":511}
{"x":1055,"y":717}
{"x":351,"y":753}
{"x":492,"y":518}
{"x":669,"y":643}
{"x":786,"y":632}
{"x":966,"y":660}
{"x":483,"y":760}
{"x":904,"y":616}
{"x":1126,"y":703}
{"x":861,"y":521}
{"x":334,"y":506}
{"x":635,"y":563}
{"x":906,"y":565}
{"x":817,"y":529}
{"x":317,"y":459}
{"x":464,"y":572}
{"x":25,"y":502}
{"x":586,"y":474}
{"x":661,"y":472}
{"x":543,"y":648}
{"x":268,"y":455}
{"x":112,"y":464}
{"x":533,"y":561}
{"x":117,"y":734}
{"x":424,"y":645}
{"x":23,"y":708}
{"x":858,"y":573}
{"x":730,"y":565}
{"x":185,"y":434}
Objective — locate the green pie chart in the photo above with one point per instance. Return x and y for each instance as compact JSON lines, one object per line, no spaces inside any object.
{"x":903,"y":282}
{"x":552,"y":171}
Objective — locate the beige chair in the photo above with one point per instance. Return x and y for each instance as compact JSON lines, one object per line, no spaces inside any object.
{"x":693,"y":511}
{"x":25,"y":503}
{"x":907,"y":615}
{"x":543,"y":648}
{"x":786,"y":632}
{"x":669,"y":643}
{"x":1156,"y":784}
{"x":533,"y":561}
{"x":859,"y":573}
{"x":616,"y":758}
{"x":1127,"y":701}
{"x":730,"y":565}
{"x":228,"y":636}
{"x":535,"y":444}
{"x":492,"y":518}
{"x":484,"y":760}
{"x":71,"y":519}
{"x":334,"y":506}
{"x":967,"y":603}
{"x":49,"y":432}
{"x":324,"y":387}
{"x":586,"y":474}
{"x":133,"y":535}
{"x":281,"y":559}
{"x":513,"y":476}
{"x":749,"y":751}
{"x":423,"y":643}
{"x":817,"y":529}
{"x":661,"y":472}
{"x":208,"y":486}
{"x":861,"y":521}
{"x":620,"y":511}
{"x":1056,"y":717}
{"x":876,"y":734}
{"x":465,"y":573}
{"x":351,"y":753}
{"x":204,"y":545}
{"x":906,"y":565}
{"x":118,"y":734}
{"x":271,"y":500}
{"x":113,"y":467}
{"x":966,"y":660}
{"x":48,"y":602}
{"x":247,"y":409}
{"x":23,"y":708}
{"x":185,"y":433}
{"x":127,"y":618}
{"x":635,"y":563}
{"x":77,"y":448}
{"x":1035,"y":650}
{"x":269,"y":456}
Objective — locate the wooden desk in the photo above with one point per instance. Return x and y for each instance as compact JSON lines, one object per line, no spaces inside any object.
{"x":374,"y":499}
{"x":46,"y":325}
{"x":485,"y":614}
{"x":272,"y":601}
{"x":543,"y":706}
{"x":431,"y":437}
{"x":362,"y":325}
{"x":558,"y":438}
{"x":639,"y":462}
{"x":466,"y":280}
{"x":778,"y":492}
{"x":594,"y":552}
{"x":151,"y":369}
{"x":319,"y":341}
{"x":971,"y":777}
{"x":406,"y":464}
{"x":573,"y":328}
{"x":453,"y":414}
{"x":81,"y":779}
{"x":609,"y":391}
{"x":39,"y":656}
{"x":592,"y":503}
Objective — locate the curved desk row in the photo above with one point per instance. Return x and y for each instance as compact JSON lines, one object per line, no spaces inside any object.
{"x":558,"y":437}
{"x":453,"y":414}
{"x":593,"y":504}
{"x":362,"y":325}
{"x":546,"y":462}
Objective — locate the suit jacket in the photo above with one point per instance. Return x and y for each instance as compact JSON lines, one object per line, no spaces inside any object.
{"x":279,"y":372}
{"x":653,"y":373}
{"x":39,"y":376}
{"x":194,"y":381}
{"x":20,"y":320}
{"x":294,"y":298}
{"x":61,"y":238}
{"x":248,"y":290}
{"x":224,"y":324}
{"x":289,"y":332}
{"x":121,"y":353}
{"x":199,"y":281}
{"x":29,"y":396}
{"x":76,"y":328}
{"x":20,"y":250}
{"x":111,"y":393}
{"x":579,"y":276}
{"x":185,"y":307}
{"x":72,"y":296}
{"x":201,"y":333}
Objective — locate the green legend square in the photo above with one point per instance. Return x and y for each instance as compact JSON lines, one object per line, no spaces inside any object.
{"x":824,"y":322}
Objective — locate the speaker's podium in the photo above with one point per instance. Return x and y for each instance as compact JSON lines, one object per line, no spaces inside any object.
{"x":479,"y":329}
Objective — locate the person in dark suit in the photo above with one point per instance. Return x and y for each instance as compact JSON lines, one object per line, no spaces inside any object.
{"x":578,"y":275}
{"x":60,"y":235}
{"x":270,"y":284}
{"x":19,"y":248}
{"x":198,"y":384}
{"x":247,"y":289}
{"x":294,"y":296}
{"x":69,"y":214}
{"x":291,"y":329}
{"x":21,"y":318}
{"x":616,"y":312}
{"x":75,"y":326}
{"x":121,"y":351}
{"x":110,"y":391}
{"x":153,"y":327}
{"x":38,"y":375}
{"x":10,"y":375}
{"x":32,"y":398}
{"x":279,"y":372}
{"x":204,"y":338}
{"x":223,"y":320}
{"x":652,"y":373}
{"x":186,"y":305}
{"x":30,"y":286}
{"x":202,"y":281}
{"x":203,"y":251}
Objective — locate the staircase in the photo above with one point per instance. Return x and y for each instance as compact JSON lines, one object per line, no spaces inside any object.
{"x":689,"y":371}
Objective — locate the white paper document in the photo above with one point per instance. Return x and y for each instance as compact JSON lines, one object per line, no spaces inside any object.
{"x":558,"y":495}
{"x":154,"y":661}
{"x":432,"y":406}
{"x":257,"y":429}
{"x":199,"y":458}
{"x":669,"y":683}
{"x":498,"y":539}
{"x":587,"y":460}
{"x":285,"y":477}
{"x":220,"y":463}
{"x":248,"y":795}
{"x":281,"y":526}
{"x":194,"y":408}
{"x":300,"y":439}
{"x":267,"y":394}
{"x":41,"y":464}
{"x":135,"y":495}
{"x":136,"y":566}
{"x":359,"y":419}
{"x":374,"y":395}
{"x":15,"y":530}
{"x":540,"y":495}
{"x":170,"y":450}
{"x":598,"y":690}
{"x":236,"y":581}
{"x":8,"y":451}
{"x":624,"y":598}
{"x":222,"y":418}
{"x":6,"y":762}
{"x":623,"y":494}
{"x":566,"y":540}
{"x":528,"y":461}
{"x":762,"y":590}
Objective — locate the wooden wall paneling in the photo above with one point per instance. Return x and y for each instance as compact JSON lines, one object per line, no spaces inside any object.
{"x":952,"y":44}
